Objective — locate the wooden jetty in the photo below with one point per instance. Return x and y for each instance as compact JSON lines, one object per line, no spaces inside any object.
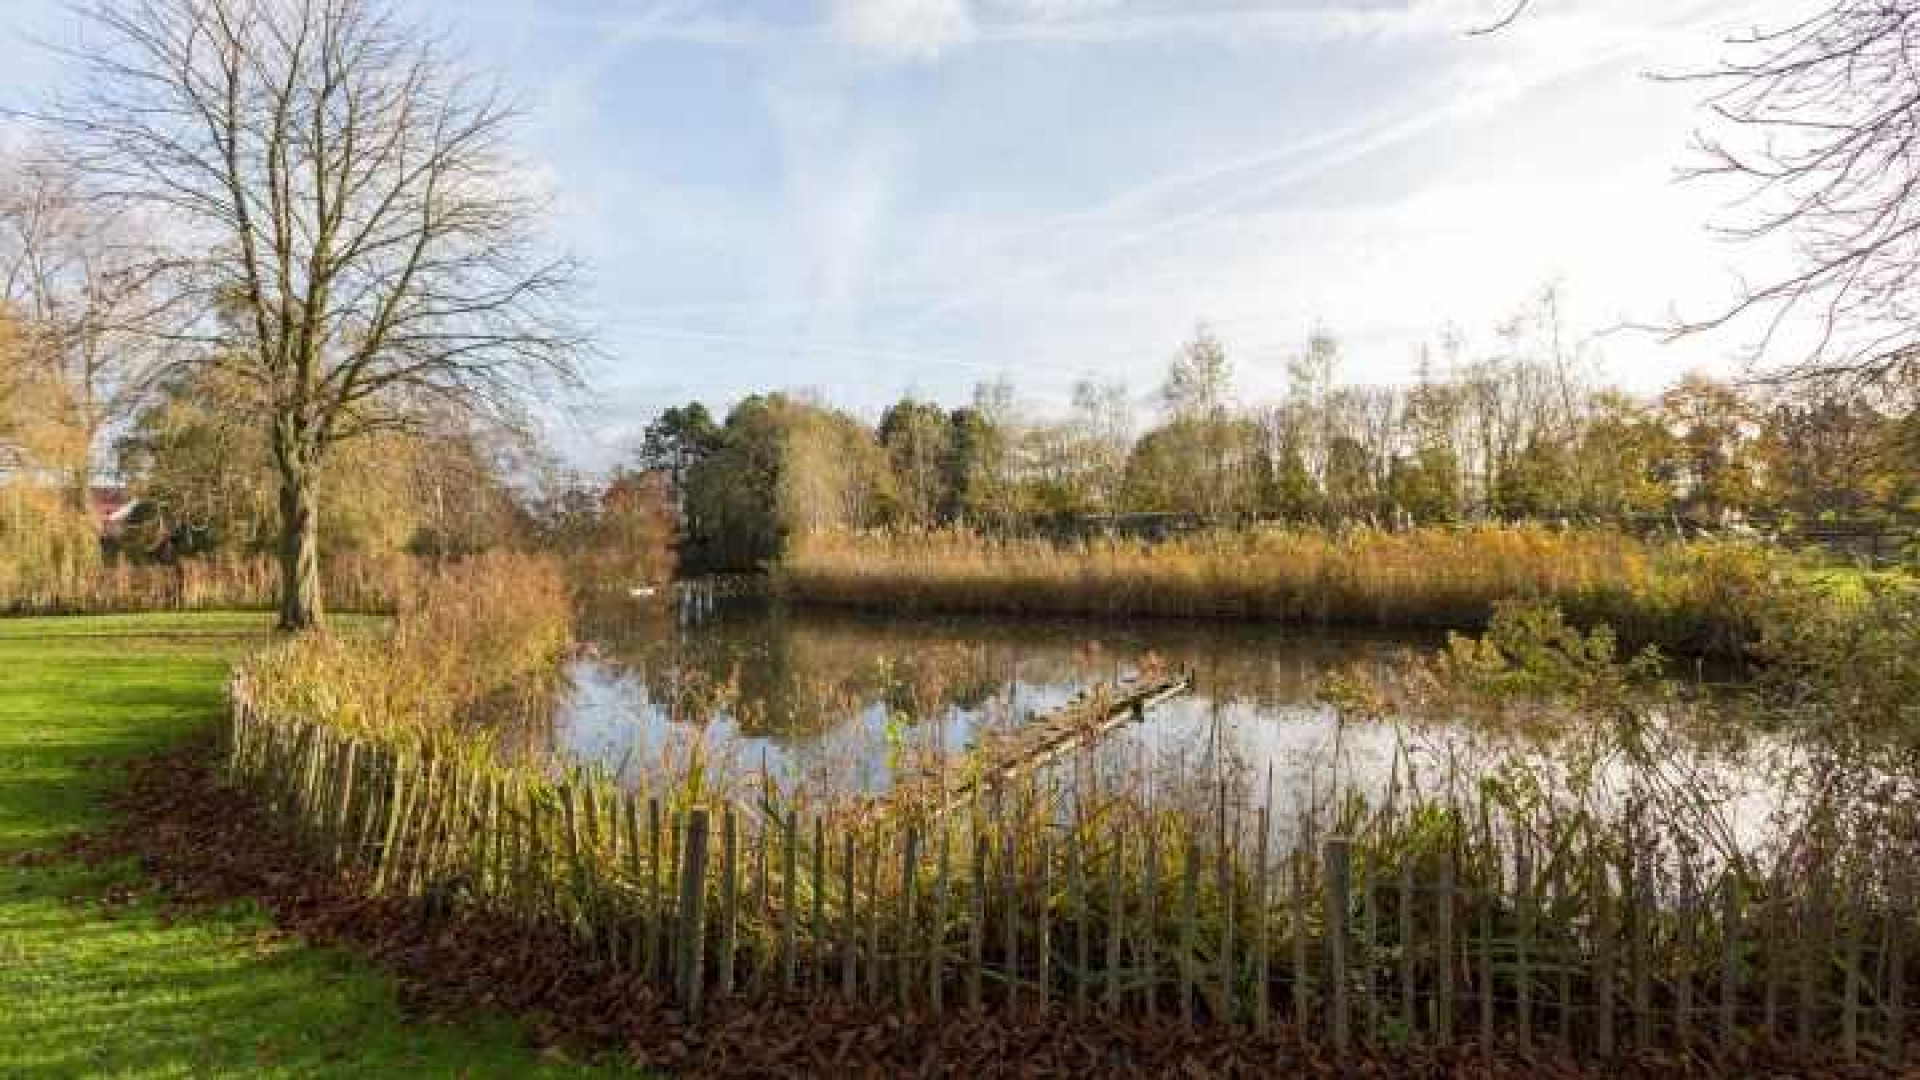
{"x":1001,"y":756}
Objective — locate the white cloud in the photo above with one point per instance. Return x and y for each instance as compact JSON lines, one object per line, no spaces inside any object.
{"x":1052,"y":9}
{"x":904,"y":29}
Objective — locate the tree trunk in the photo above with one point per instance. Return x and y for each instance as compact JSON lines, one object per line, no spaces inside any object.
{"x":300,"y":603}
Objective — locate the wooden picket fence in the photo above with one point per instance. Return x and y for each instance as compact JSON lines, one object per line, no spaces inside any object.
{"x":1418,"y":932}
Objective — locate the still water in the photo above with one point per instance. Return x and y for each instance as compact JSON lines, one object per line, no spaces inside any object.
{"x":841,"y":703}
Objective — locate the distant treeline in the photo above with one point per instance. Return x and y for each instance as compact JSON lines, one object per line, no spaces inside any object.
{"x":1514,"y":436}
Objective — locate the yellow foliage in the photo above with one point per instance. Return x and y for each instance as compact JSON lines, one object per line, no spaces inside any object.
{"x":475,"y":633}
{"x":1682,"y":596}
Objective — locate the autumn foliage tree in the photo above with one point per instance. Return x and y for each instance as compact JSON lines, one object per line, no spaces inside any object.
{"x":348,"y":240}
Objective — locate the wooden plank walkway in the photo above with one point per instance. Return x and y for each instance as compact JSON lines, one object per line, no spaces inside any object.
{"x":1004,"y":755}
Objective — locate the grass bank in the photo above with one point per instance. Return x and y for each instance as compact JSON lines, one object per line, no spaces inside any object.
{"x":1697,"y":598}
{"x":96,"y":977}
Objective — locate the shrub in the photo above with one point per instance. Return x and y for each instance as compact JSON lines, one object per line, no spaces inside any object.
{"x":467,"y":643}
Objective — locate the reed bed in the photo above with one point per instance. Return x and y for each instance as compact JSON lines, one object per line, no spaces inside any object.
{"x":358,"y":583}
{"x":474,"y":649}
{"x":1700,"y":598}
{"x":1436,"y":919}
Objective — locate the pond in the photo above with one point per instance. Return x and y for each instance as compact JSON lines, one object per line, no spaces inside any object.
{"x":843,"y":703}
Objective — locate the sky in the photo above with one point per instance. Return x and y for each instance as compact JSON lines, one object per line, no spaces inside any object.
{"x":861,"y":199}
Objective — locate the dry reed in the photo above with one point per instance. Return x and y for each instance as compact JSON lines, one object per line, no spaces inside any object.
{"x":1694,"y":598}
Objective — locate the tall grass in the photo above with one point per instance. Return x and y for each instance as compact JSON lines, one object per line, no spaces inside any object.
{"x":45,"y":542}
{"x":1694,"y":598}
{"x":90,"y":586}
{"x":468,"y":643}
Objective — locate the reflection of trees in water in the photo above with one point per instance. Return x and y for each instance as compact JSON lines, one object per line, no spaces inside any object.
{"x":801,"y":671}
{"x":818,"y":687}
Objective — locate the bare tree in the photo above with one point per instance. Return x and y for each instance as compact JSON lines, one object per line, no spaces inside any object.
{"x":350,"y":240}
{"x":1819,"y":121}
{"x":69,"y":273}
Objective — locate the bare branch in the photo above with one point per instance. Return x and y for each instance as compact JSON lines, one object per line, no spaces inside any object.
{"x":1819,"y":122}
{"x":349,"y":234}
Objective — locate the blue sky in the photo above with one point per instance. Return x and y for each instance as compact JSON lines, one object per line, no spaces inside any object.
{"x":864,"y":198}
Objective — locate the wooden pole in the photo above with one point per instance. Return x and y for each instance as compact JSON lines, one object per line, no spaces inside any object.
{"x":1297,"y":926}
{"x":1850,"y":973}
{"x":691,"y":926}
{"x":1334,"y":915}
{"x":1523,"y":942}
{"x":1640,"y":927}
{"x":937,"y":942}
{"x":1603,"y":935}
{"x":976,"y":928}
{"x":1189,"y":943}
{"x":876,"y":965}
{"x":656,"y":921}
{"x":1685,"y":912}
{"x":729,"y":897}
{"x":1262,"y":923}
{"x":909,"y":890}
{"x":1898,"y":921}
{"x":1150,"y":919}
{"x":849,"y":919}
{"x":1010,"y":922}
{"x":1443,"y":950}
{"x":636,"y":870}
{"x":818,"y":934}
{"x":1077,"y":899}
{"x":1409,"y":975}
{"x":1370,"y":948}
{"x":1116,"y":920}
{"x":1488,"y":897}
{"x":1729,"y":962}
{"x":789,"y":900}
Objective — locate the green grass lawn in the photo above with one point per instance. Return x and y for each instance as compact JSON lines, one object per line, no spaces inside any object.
{"x":93,"y":989}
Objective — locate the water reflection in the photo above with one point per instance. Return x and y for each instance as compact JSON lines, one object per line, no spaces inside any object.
{"x":836,"y":702}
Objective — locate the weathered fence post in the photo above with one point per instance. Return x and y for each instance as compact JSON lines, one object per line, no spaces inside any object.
{"x":729,"y":897}
{"x":1684,"y":912}
{"x":1010,"y":922}
{"x":1443,"y":946}
{"x":1814,"y":955}
{"x":1898,"y":920}
{"x":1409,"y":979}
{"x":1262,"y":962}
{"x":1523,"y":944}
{"x":1044,"y":930}
{"x":656,"y":921}
{"x":1850,"y":972}
{"x":1223,"y":856}
{"x":1369,"y":949}
{"x":1334,"y":916}
{"x":909,"y":887}
{"x":818,"y":933}
{"x":1729,"y":961}
{"x":849,"y":919}
{"x":1116,"y":921}
{"x":1150,"y":919}
{"x":937,"y":939}
{"x":976,"y":929}
{"x":1640,"y":926}
{"x":1603,"y":934}
{"x":789,"y":900}
{"x":1189,"y":944}
{"x":1077,"y":899}
{"x":691,"y":926}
